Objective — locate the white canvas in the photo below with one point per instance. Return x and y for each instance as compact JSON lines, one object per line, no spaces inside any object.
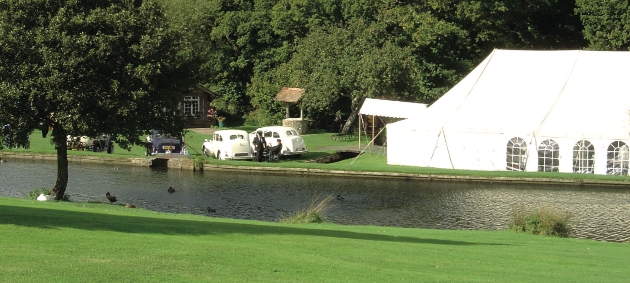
{"x":567,"y":98}
{"x":391,"y":108}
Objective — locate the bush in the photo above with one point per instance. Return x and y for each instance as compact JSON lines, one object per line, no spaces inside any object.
{"x":35,"y":193}
{"x":313,"y":213}
{"x":546,"y":221}
{"x":198,"y":163}
{"x":261,"y":118}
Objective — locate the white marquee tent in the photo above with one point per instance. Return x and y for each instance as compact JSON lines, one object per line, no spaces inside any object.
{"x":560,"y":111}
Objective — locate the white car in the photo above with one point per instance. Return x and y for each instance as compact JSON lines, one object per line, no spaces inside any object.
{"x":292,"y":143}
{"x":228,"y":144}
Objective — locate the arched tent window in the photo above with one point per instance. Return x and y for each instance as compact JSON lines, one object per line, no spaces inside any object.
{"x":583,"y":157}
{"x":548,"y":156}
{"x":617,"y":158}
{"x":516,"y":155}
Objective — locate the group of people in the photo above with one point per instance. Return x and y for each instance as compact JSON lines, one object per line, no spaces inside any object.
{"x":263,"y":149}
{"x":100,"y":145}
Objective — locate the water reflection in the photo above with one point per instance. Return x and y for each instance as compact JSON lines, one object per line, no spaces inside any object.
{"x":598,"y":213}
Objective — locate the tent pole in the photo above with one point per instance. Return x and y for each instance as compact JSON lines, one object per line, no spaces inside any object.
{"x":435,"y":147}
{"x":366,"y":146}
{"x":382,"y":147}
{"x":360,"y":119}
{"x":447,"y":150}
{"x":372,"y":129}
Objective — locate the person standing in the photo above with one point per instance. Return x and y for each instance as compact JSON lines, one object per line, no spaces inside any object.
{"x":259,"y":146}
{"x":148,"y":145}
{"x":6,"y":131}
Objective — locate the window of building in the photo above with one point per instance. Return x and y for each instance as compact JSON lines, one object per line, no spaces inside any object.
{"x":617,"y":158}
{"x":548,"y":156}
{"x":584,"y":157}
{"x":516,"y":156}
{"x":191,"y":105}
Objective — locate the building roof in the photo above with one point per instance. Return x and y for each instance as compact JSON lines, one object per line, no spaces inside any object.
{"x":289,"y":94}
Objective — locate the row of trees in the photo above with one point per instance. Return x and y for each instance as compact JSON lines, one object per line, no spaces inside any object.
{"x":345,"y":50}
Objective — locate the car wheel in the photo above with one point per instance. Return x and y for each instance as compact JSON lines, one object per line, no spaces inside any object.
{"x":203,"y":149}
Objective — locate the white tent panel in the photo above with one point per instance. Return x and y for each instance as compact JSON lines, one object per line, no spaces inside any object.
{"x":529,"y":98}
{"x":441,"y":111}
{"x":518,"y":99}
{"x":595,"y":101}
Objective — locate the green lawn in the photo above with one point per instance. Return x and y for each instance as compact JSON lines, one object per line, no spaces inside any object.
{"x":90,"y":242}
{"x":319,"y":145}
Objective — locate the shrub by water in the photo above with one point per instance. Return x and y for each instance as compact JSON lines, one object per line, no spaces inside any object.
{"x":546,"y":221}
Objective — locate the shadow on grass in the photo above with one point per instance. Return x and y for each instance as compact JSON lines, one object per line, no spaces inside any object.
{"x":45,"y":218}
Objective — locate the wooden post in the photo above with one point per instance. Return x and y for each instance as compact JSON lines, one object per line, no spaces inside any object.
{"x":286,"y":104}
{"x":360,"y":126}
{"x":372,"y":128}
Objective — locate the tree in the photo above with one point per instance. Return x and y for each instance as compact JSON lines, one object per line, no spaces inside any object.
{"x":606,"y":24}
{"x":352,"y":62}
{"x":90,"y":67}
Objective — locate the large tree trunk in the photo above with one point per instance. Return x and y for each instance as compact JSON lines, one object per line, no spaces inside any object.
{"x":60,"y":141}
{"x":352,"y":119}
{"x":348,"y":126}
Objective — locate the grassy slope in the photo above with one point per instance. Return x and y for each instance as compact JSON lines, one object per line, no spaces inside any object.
{"x":81,"y":242}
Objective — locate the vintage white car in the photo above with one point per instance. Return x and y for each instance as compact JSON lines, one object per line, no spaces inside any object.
{"x":228,"y":144}
{"x":292,"y":143}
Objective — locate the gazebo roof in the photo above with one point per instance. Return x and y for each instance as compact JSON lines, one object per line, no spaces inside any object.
{"x":289,"y":94}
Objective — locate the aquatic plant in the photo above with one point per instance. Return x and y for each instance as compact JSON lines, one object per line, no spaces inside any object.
{"x":314,"y":212}
{"x":546,"y":221}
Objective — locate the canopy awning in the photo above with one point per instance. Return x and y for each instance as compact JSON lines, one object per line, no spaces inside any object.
{"x":391,"y":108}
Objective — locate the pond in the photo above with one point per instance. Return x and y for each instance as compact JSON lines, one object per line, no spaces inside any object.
{"x":598,"y":213}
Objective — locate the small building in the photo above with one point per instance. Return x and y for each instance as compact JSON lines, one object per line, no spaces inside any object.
{"x":194,"y":106}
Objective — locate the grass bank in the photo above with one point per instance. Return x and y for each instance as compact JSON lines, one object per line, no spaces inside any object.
{"x":320,"y":144}
{"x":90,"y":242}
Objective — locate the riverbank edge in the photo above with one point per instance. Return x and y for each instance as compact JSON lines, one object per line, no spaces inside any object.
{"x":188,"y":164}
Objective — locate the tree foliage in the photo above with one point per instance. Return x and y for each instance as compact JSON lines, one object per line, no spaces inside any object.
{"x":356,"y":61}
{"x":606,"y":24}
{"x":90,"y":67}
{"x":253,"y":48}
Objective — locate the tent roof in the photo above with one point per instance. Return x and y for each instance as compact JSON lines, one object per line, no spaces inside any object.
{"x":583,"y":94}
{"x":390,"y":108}
{"x":289,"y":94}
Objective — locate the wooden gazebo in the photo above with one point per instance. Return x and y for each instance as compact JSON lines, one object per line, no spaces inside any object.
{"x":290,"y":95}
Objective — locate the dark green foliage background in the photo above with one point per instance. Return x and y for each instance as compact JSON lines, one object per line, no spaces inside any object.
{"x":342,"y":51}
